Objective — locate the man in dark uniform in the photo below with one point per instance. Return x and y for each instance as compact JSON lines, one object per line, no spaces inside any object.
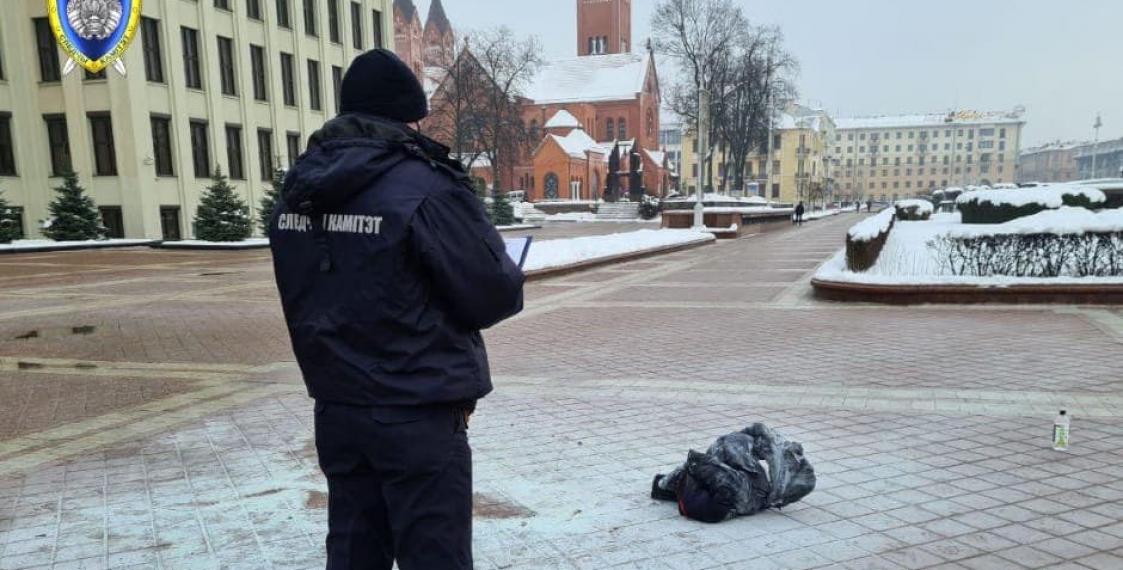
{"x":388,"y":268}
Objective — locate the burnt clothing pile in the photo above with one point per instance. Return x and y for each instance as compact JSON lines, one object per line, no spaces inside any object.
{"x":729,"y":480}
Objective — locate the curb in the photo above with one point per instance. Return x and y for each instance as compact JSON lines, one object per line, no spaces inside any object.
{"x":168,"y":246}
{"x":57,"y":248}
{"x":539,"y":274}
{"x":1067,"y":294}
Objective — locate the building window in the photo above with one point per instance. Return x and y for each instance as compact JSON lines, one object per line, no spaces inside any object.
{"x":257,"y":67}
{"x":265,"y":153}
{"x":234,"y":157}
{"x":610,"y":130}
{"x":622,"y":128}
{"x":288,"y":82}
{"x":283,"y":14}
{"x":162,"y":145}
{"x":192,"y":73}
{"x":48,"y":51}
{"x":153,"y":51}
{"x":226,"y":66}
{"x":253,"y":9}
{"x":222,"y":4}
{"x":292,"y":141}
{"x":105,"y":156}
{"x":94,"y":76}
{"x":357,"y":25}
{"x":310,"y":18}
{"x":314,"y":85}
{"x":1,"y":62}
{"x":59,"y":141}
{"x":7,"y":151}
{"x":337,"y":85}
{"x":333,"y":21}
{"x":200,"y":149}
{"x":378,"y":29}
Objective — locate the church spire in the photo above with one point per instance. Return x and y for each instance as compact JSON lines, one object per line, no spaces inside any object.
{"x":437,"y":18}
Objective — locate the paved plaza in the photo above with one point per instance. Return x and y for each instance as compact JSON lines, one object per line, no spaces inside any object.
{"x":151,"y":416}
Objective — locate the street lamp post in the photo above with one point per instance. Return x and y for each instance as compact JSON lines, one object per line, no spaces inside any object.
{"x":703,"y":153}
{"x":1096,"y":145}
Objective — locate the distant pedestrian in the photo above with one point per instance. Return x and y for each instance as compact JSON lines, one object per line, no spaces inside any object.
{"x":869,"y":205}
{"x":799,"y":210}
{"x":857,"y":207}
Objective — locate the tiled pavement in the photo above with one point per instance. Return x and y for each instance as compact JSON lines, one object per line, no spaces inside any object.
{"x":150,"y":417}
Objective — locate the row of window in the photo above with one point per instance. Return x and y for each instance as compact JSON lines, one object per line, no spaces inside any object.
{"x":983,"y":145}
{"x":970,"y":133}
{"x":255,"y":11}
{"x":984,"y":157}
{"x":897,"y":185}
{"x":105,"y":154}
{"x":983,"y":167}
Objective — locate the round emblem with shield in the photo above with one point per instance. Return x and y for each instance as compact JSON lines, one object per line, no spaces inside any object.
{"x":94,"y":33}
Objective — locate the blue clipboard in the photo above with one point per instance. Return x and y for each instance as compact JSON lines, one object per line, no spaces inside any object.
{"x":518,"y":248}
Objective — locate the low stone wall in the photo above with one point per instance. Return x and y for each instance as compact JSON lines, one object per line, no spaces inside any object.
{"x":968,"y":294}
{"x":747,"y":223}
{"x":550,"y":208}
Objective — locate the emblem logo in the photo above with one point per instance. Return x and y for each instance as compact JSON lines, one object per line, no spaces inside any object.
{"x":94,"y":33}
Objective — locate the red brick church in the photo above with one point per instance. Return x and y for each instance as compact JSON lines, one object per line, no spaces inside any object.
{"x":595,"y":116}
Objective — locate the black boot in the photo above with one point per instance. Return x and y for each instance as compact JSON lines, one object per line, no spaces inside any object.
{"x":660,"y":494}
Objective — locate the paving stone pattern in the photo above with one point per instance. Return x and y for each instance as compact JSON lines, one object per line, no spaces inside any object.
{"x":155,"y":419}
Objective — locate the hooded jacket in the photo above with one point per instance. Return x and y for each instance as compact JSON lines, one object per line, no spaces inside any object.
{"x":388,"y":268}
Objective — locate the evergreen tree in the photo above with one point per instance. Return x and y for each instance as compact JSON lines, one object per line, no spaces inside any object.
{"x":502,"y":213}
{"x":9,"y":223}
{"x":269,"y":201}
{"x":74,"y":216}
{"x":222,"y":215}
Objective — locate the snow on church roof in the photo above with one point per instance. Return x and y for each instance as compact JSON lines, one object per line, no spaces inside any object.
{"x":577,"y":143}
{"x":590,"y":78}
{"x":562,"y":120}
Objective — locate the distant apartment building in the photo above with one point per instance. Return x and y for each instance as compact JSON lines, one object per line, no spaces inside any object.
{"x":894,"y":157}
{"x":237,"y":85}
{"x":798,"y":168}
{"x":1107,"y":162}
{"x":670,"y":140}
{"x":1051,"y":162}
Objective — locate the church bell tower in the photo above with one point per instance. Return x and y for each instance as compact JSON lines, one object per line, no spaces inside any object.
{"x":604,"y":27}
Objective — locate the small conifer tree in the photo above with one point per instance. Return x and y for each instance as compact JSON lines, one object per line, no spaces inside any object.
{"x":502,"y":213}
{"x":9,"y":222}
{"x":74,"y":216}
{"x":269,"y":201}
{"x":222,"y":215}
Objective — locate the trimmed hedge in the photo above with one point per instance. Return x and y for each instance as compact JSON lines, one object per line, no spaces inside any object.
{"x":861,"y":255}
{"x":912,"y":213}
{"x":990,"y":213}
{"x":1033,"y":255}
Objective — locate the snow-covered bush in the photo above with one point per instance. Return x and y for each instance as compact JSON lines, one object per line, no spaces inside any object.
{"x":649,"y":208}
{"x":1070,"y":242}
{"x":865,"y":240}
{"x":998,"y":206}
{"x":913,"y":210}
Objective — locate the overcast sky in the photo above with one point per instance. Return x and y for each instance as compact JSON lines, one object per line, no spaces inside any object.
{"x":1062,"y":60}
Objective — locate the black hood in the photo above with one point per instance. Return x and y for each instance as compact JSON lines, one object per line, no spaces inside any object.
{"x":347,"y":156}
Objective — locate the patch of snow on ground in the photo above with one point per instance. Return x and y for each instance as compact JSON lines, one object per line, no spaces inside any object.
{"x":564,"y":252}
{"x":1062,"y":221}
{"x":34,"y":244}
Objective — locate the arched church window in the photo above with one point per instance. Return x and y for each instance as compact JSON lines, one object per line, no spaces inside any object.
{"x":611,"y":130}
{"x":623,"y":128}
{"x":533,"y":130}
{"x":650,"y":124}
{"x":551,"y":184}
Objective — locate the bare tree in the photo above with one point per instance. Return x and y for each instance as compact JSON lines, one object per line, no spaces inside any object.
{"x":510,"y":64}
{"x":455,"y":116}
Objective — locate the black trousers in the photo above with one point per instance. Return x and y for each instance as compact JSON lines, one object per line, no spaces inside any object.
{"x":399,"y":487}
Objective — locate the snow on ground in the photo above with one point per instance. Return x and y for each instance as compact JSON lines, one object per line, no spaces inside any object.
{"x":1049,"y":196}
{"x":28,"y":245}
{"x":907,"y":259}
{"x":819,"y":214}
{"x":198,"y":243}
{"x":514,"y":227}
{"x":564,"y":252}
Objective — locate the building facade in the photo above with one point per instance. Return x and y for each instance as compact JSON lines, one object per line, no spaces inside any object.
{"x":231,"y":85}
{"x":1108,"y":161}
{"x":800,"y":168}
{"x":893,"y":157}
{"x":604,"y":27}
{"x":1052,"y":162}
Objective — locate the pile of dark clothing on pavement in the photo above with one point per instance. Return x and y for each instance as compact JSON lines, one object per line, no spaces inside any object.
{"x":729,"y":481}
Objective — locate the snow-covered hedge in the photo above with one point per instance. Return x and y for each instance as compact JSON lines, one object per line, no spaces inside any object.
{"x":913,"y":210}
{"x":865,"y":240}
{"x":997,"y":206}
{"x":1068,"y":242}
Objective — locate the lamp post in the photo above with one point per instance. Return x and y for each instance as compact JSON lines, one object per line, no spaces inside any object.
{"x":1096,"y":145}
{"x":703,"y":153}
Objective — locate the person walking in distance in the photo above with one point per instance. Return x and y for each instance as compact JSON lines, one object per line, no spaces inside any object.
{"x":799,"y":211}
{"x":388,"y":268}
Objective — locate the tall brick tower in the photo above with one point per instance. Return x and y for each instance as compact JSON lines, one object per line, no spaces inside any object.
{"x":439,"y":37}
{"x":604,"y":27}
